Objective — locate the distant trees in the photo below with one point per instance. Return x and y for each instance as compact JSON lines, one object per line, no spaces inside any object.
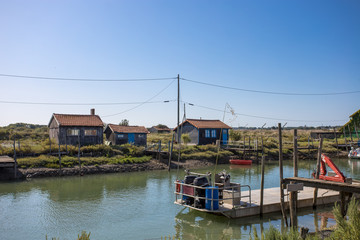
{"x":124,"y":122}
{"x":161,"y":126}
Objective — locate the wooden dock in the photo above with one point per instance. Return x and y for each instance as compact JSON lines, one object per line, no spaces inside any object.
{"x":271,"y":202}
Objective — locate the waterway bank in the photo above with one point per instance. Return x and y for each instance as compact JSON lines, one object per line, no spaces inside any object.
{"x":8,"y":174}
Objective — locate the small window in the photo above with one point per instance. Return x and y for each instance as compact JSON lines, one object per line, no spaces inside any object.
{"x":90,"y":132}
{"x":213,"y":133}
{"x":120,"y":135}
{"x":207,"y":133}
{"x":72,"y":132}
{"x":141,"y":135}
{"x":224,"y":131}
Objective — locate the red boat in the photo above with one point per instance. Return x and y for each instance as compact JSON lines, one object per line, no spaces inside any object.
{"x":240,"y":162}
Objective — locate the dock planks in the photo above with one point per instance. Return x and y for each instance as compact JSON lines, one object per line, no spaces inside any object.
{"x":272,"y":202}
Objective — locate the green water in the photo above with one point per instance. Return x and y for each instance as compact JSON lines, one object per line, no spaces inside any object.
{"x":134,"y":206}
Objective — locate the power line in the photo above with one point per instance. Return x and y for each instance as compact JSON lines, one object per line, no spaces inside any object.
{"x":111,"y":115}
{"x":270,"y":92}
{"x":261,"y":117}
{"x":80,"y":104}
{"x":86,"y":79}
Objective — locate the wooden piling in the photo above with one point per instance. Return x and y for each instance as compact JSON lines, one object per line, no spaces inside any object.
{"x":351,"y":138}
{"x":317,"y":171}
{"x":343,"y":203}
{"x":15,"y":164}
{"x":59,"y":157}
{"x":282,"y":203}
{"x":336,"y":141}
{"x":262,"y":185}
{"x":79,"y":153}
{"x":170,"y":151}
{"x":293,"y":194}
{"x":346,"y":146}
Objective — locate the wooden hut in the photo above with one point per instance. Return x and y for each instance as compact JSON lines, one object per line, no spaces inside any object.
{"x":203,"y":132}
{"x":117,"y":134}
{"x":70,"y":128}
{"x":157,"y":129}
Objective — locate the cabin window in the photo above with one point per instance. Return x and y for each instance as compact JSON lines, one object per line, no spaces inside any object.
{"x":90,"y":132}
{"x":141,"y":136}
{"x":207,"y":133}
{"x":213,"y":133}
{"x":120,"y":135}
{"x":224,"y":131}
{"x":72,"y":132}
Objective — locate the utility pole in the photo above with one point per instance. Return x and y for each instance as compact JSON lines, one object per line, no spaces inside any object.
{"x":178,"y":109}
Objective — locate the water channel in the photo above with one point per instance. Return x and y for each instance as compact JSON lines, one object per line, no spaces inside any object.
{"x":137,"y":205}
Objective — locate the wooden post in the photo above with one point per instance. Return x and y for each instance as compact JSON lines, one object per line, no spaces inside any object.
{"x":59,"y":156}
{"x":282,"y":203}
{"x":342,"y":203}
{"x":79,"y":153}
{"x":293,"y":194}
{"x":15,"y":163}
{"x":244,"y":148}
{"x":346,"y":146}
{"x":336,"y":141}
{"x":262,"y":185}
{"x":178,"y":109}
{"x":350,"y":133}
{"x":317,"y":171}
{"x":170,"y":150}
{"x":257,"y":155}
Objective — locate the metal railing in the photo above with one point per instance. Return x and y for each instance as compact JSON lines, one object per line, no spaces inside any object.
{"x":194,"y":196}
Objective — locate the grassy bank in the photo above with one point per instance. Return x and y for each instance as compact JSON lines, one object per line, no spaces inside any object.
{"x":67,"y":161}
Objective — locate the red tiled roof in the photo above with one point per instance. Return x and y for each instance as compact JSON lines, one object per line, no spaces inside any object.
{"x":200,"y":123}
{"x":78,"y":120}
{"x":128,"y":129}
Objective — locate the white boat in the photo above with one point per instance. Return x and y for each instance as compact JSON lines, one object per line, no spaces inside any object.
{"x":354,"y":153}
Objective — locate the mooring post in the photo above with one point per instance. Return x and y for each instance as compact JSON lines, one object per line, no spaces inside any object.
{"x":346,"y":146}
{"x":262,"y":185}
{"x":336,"y":141}
{"x":59,"y":156}
{"x":282,"y":203}
{"x":351,"y":138}
{"x":170,"y":151}
{"x":317,"y":171}
{"x":342,"y":203}
{"x":15,"y":160}
{"x":79,"y":153}
{"x":293,"y":194}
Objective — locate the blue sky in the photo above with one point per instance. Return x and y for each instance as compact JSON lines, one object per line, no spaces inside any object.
{"x":275,"y":46}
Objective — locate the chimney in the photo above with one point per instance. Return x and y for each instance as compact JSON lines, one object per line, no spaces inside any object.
{"x":92,"y":111}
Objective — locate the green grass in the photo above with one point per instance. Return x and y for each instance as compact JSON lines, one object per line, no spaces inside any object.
{"x":67,"y":161}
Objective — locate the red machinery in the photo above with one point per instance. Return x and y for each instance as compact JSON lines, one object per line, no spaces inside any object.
{"x":337,"y":176}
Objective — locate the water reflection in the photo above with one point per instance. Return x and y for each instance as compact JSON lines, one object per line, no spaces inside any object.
{"x":138,"y":205}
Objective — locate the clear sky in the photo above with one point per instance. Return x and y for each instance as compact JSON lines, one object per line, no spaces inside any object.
{"x":307,"y":47}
